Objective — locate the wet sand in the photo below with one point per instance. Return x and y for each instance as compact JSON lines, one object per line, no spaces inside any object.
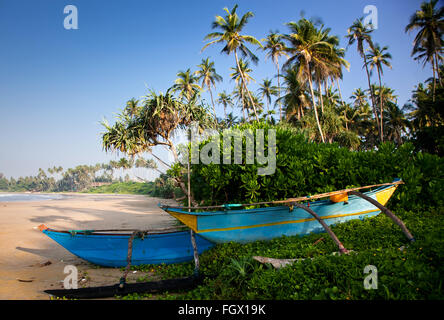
{"x":30,"y":262}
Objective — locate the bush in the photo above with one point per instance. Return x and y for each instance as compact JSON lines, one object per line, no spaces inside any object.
{"x":306,"y":168}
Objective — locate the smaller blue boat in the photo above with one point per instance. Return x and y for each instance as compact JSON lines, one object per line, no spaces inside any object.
{"x":111,"y":249}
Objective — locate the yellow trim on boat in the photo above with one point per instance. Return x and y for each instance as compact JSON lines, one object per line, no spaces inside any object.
{"x":384,"y":196}
{"x":187,"y":219}
{"x":287,"y":222}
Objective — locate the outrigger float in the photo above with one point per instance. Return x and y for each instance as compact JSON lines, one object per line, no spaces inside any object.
{"x":123,"y":248}
{"x":109,"y":248}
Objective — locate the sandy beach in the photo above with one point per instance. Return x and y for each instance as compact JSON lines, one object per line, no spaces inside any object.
{"x":30,"y":262}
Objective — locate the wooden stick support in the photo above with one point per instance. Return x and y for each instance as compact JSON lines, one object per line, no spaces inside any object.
{"x":193,"y":238}
{"x":196,"y":253}
{"x":324,"y":225}
{"x":387,"y":212}
{"x":128,"y":260}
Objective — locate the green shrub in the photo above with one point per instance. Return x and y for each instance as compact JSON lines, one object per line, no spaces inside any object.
{"x":306,"y":168}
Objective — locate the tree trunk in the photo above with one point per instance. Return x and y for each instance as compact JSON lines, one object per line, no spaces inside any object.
{"x":178,"y":179}
{"x":321,"y":98}
{"x":380,"y":104}
{"x":434,"y":77}
{"x":343,"y":104}
{"x":193,"y":240}
{"x":279,"y":92}
{"x":371,"y":94}
{"x":245,"y":85}
{"x":212,"y":102}
{"x":243,"y":103}
{"x":437,"y":70}
{"x":314,"y":105}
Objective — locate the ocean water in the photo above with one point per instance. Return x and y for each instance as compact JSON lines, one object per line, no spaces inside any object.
{"x":13,"y":197}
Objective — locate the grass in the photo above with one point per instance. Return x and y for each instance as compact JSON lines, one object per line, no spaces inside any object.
{"x":123,"y":188}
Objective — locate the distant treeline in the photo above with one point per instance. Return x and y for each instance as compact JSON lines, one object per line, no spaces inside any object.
{"x":86,"y":177}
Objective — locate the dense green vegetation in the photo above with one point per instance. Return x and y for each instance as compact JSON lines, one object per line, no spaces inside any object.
{"x":305,"y":168}
{"x":84,"y":177}
{"x":124,"y":188}
{"x":161,"y":187}
{"x":405,"y":270}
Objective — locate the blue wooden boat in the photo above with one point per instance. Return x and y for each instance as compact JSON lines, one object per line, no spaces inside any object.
{"x":233,"y":223}
{"x":111,"y":249}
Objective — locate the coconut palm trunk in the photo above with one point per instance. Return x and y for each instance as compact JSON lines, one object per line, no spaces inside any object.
{"x":434,"y":76}
{"x":372,"y":95}
{"x":314,"y":104}
{"x":343,"y":104}
{"x":321,"y":98}
{"x":212,"y":102}
{"x":245,"y":85}
{"x":279,"y":92}
{"x":380,"y":105}
{"x":437,"y":69}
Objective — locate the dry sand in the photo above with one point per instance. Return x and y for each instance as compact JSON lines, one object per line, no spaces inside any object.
{"x":25,"y":251}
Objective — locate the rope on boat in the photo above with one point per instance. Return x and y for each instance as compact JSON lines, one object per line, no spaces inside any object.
{"x":304,"y":198}
{"x":139,"y":234}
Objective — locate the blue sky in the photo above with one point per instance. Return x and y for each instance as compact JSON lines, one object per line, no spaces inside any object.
{"x":56,"y":85}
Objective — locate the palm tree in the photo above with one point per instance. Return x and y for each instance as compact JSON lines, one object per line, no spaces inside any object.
{"x":276,"y":48}
{"x":295,"y":100}
{"x":359,"y":97}
{"x":395,"y":122}
{"x":387,"y":94}
{"x":378,"y":57}
{"x":338,"y":63}
{"x":333,"y":62}
{"x":267,"y":90}
{"x":132,"y":107}
{"x":230,"y":120}
{"x":360,"y":34}
{"x":428,"y":43}
{"x":242,"y":78}
{"x":225,"y":100}
{"x":308,"y":48}
{"x":186,"y":84}
{"x":231,"y":27}
{"x":207,"y":74}
{"x":147,"y":164}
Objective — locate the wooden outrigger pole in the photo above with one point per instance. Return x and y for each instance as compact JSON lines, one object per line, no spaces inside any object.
{"x":387,"y":212}
{"x":324,"y":225}
{"x":304,"y":198}
{"x":193,"y":238}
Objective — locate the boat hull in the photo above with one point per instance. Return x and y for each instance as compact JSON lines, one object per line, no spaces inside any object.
{"x":267,"y":223}
{"x":111,"y":250}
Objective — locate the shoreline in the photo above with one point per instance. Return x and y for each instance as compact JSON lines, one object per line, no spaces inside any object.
{"x":31,"y":262}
